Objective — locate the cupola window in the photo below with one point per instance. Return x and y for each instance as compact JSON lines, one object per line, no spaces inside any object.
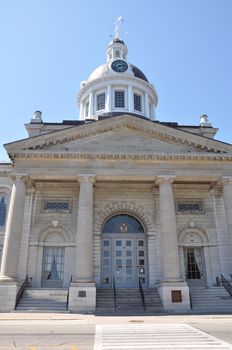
{"x":119,"y":99}
{"x":101,"y":101}
{"x":117,"y":53}
{"x":137,"y":102}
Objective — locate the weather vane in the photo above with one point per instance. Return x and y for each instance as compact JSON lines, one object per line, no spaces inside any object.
{"x":117,"y":24}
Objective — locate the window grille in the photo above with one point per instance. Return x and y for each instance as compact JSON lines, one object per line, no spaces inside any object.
{"x":119,"y":99}
{"x":193,"y":207}
{"x":101,"y":100}
{"x":137,"y":103}
{"x":56,"y":205}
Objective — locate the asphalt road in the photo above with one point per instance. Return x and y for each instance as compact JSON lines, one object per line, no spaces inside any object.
{"x":78,"y":334}
{"x":36,"y":336}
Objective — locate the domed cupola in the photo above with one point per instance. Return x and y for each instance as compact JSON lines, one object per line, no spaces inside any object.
{"x":117,"y":87}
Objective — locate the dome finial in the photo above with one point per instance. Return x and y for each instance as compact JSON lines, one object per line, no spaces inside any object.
{"x":117,"y":24}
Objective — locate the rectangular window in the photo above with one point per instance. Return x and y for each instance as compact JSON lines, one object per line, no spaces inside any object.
{"x":137,"y":103}
{"x":2,"y":209}
{"x":101,"y":100}
{"x":57,"y":205}
{"x":119,"y":99}
{"x":189,"y":207}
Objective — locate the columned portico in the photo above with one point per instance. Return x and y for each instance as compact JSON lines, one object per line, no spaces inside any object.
{"x":10,"y":259}
{"x":227,"y":195}
{"x":172,"y":281}
{"x":82,"y":290}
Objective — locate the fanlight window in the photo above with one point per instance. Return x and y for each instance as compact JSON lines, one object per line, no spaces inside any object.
{"x":123,"y":223}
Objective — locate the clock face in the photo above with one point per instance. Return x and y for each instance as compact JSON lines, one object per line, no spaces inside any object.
{"x":119,"y":66}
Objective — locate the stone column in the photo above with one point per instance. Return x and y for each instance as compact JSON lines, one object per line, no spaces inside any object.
{"x":11,"y":250}
{"x":227,"y":195}
{"x":82,"y":289}
{"x":108,"y":99}
{"x":23,"y":258}
{"x":130,"y":99}
{"x":91,"y":105}
{"x":172,"y":287}
{"x":12,"y":242}
{"x":146,"y":106}
{"x":171,"y":265}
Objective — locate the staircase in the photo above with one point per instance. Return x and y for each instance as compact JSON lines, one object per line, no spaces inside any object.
{"x":43,"y":300}
{"x":128,"y":302}
{"x":210,"y":300}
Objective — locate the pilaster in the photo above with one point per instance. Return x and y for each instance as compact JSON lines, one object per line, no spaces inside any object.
{"x":227,"y":195}
{"x":27,"y":218}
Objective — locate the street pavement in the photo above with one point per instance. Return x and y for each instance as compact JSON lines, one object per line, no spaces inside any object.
{"x":30,"y":331}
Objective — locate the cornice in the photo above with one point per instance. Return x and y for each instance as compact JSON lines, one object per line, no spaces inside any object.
{"x":156,"y":133}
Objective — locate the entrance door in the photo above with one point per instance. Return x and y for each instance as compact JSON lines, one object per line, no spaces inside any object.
{"x":194,"y":267}
{"x":53,"y":267}
{"x":125,"y":261}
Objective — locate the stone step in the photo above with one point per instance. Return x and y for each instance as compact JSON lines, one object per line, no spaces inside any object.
{"x":215,"y":299}
{"x":129,"y":302}
{"x":43,"y":300}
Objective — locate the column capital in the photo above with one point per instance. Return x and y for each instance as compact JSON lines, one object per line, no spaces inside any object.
{"x":226,"y":180}
{"x":86,"y":178}
{"x":18,"y":177}
{"x":161,"y":179}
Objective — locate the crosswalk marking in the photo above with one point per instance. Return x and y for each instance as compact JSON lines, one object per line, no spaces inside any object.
{"x":154,"y":337}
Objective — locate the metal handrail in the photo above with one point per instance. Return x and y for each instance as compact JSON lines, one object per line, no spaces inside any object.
{"x":226,"y":284}
{"x":190,"y":301}
{"x":21,"y":290}
{"x":68,"y":294}
{"x":115,"y":295}
{"x":142,"y":292}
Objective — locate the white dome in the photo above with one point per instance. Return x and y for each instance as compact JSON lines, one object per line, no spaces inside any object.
{"x":99,"y":72}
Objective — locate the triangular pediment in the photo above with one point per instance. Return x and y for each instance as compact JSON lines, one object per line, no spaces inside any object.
{"x":120,"y":135}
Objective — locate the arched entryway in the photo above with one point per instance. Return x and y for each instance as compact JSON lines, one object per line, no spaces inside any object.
{"x":124,"y":252}
{"x":53,"y":261}
{"x":194,"y":242}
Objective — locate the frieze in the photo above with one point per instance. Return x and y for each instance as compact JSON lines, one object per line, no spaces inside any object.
{"x":171,"y":157}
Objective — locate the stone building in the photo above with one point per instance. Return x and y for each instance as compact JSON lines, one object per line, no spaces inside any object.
{"x":115,"y":199}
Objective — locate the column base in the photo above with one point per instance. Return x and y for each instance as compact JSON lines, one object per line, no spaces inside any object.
{"x":174,"y":296}
{"x":82,"y":297}
{"x":8,"y":293}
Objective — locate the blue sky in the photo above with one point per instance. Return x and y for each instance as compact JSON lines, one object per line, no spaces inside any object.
{"x":49,"y":46}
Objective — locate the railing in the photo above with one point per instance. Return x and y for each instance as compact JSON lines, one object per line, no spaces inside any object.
{"x":190,"y":301}
{"x":226,"y":284}
{"x":68,"y":294}
{"x":115,"y":295}
{"x":141,"y":292}
{"x":20,"y":291}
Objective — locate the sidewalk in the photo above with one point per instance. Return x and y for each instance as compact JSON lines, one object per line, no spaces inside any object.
{"x":92,"y":319}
